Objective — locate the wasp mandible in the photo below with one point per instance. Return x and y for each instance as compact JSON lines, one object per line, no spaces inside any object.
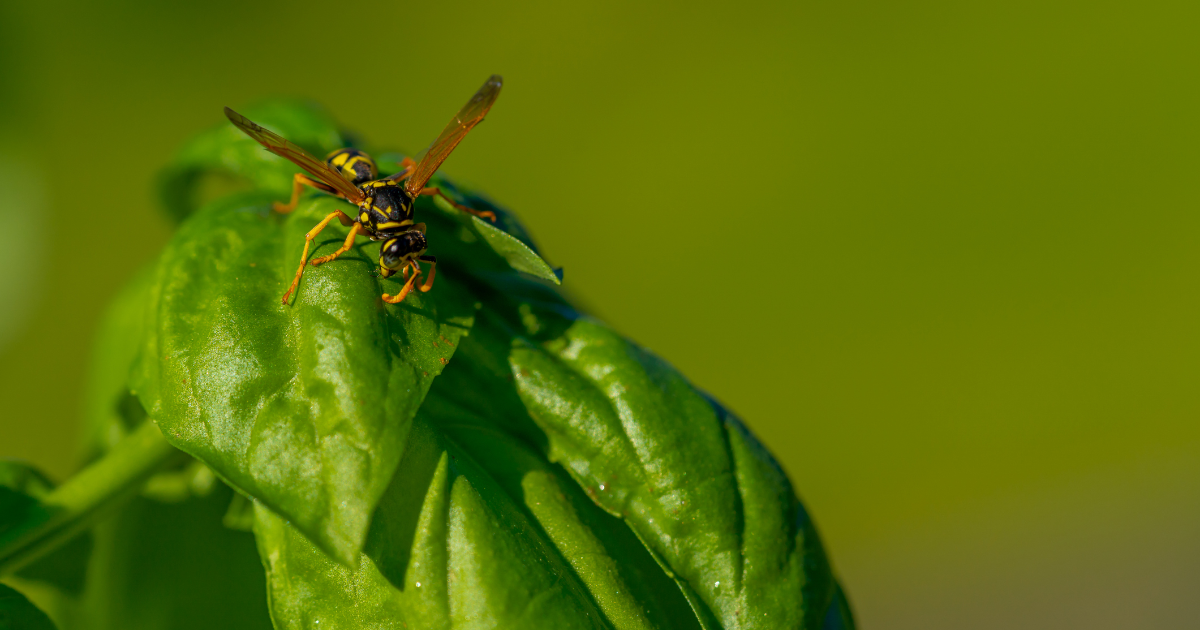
{"x":385,"y":205}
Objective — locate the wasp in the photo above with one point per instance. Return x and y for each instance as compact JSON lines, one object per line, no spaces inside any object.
{"x":385,"y":205}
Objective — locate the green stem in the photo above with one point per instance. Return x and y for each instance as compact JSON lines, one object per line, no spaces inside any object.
{"x":76,"y":504}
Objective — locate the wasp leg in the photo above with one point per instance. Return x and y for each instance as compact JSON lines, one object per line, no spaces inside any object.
{"x":308,"y":239}
{"x":432,"y":260}
{"x":399,"y":297}
{"x":487,"y":214}
{"x":408,"y":164}
{"x":341,"y":250}
{"x":298,"y":184}
{"x":406,"y":168}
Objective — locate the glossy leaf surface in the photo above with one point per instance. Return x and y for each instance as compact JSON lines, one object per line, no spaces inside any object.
{"x":477,"y":530}
{"x":687,"y":476}
{"x":693,"y":502}
{"x":304,"y":406}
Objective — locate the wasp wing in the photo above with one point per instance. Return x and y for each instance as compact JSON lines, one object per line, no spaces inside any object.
{"x":470,"y":115}
{"x":282,"y":147}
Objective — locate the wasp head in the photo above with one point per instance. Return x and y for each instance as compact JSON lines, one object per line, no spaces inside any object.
{"x":399,"y":251}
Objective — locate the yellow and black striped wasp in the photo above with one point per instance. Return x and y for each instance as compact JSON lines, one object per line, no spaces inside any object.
{"x":385,"y":205}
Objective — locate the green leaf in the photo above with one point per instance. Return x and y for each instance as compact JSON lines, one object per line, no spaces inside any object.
{"x":307,"y":406}
{"x":21,"y":510}
{"x":702,"y":528}
{"x":519,"y":254}
{"x":477,"y":526}
{"x":16,"y":613}
{"x":174,"y":566}
{"x":477,"y":530}
{"x":686,"y":475}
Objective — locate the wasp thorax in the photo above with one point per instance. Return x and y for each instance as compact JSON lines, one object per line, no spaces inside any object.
{"x":390,"y":204}
{"x":355,"y":165}
{"x":400,"y":250}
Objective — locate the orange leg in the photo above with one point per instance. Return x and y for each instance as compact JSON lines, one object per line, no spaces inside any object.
{"x":341,"y":250}
{"x":487,"y":214}
{"x":432,"y":271}
{"x":308,"y":239}
{"x":407,"y":165}
{"x":411,"y":267}
{"x":298,"y":184}
{"x":399,"y":297}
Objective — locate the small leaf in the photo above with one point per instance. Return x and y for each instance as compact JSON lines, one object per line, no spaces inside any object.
{"x":17,"y":613}
{"x":305,"y":407}
{"x":21,"y":489}
{"x":506,"y":237}
{"x":174,"y":566}
{"x":516,"y":253}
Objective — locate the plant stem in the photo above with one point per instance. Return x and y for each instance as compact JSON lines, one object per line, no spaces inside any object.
{"x":76,"y":504}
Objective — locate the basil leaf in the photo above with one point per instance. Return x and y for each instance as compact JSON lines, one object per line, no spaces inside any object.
{"x":482,"y":517}
{"x":517,"y":252}
{"x":307,"y":406}
{"x":477,"y":527}
{"x":701,"y":493}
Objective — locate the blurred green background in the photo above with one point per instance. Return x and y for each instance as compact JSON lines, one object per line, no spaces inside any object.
{"x":942,"y":257}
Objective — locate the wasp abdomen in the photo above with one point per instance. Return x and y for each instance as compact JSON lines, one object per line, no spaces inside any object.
{"x":354,"y":165}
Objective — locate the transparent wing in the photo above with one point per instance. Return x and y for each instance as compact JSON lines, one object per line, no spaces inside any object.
{"x":470,"y":115}
{"x":282,"y":147}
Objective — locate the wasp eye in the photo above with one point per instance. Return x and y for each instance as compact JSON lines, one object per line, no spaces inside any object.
{"x":390,"y":255}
